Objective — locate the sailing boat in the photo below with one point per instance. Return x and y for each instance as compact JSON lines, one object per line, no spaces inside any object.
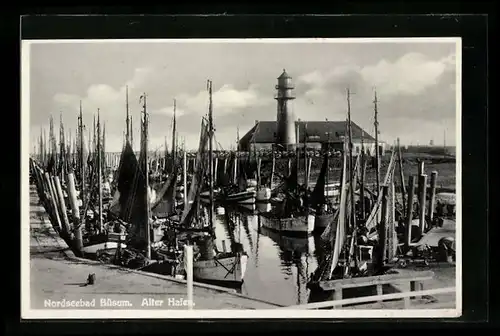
{"x":239,"y":191}
{"x":196,"y":227}
{"x":291,"y":216}
{"x":355,"y":250}
{"x":318,"y":200}
{"x":225,"y":266}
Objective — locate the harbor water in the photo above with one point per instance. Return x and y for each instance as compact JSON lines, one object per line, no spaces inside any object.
{"x":279,"y":266}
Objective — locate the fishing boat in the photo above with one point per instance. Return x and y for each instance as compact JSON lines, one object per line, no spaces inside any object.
{"x":359,"y":248}
{"x":300,"y":225}
{"x":291,"y":215}
{"x":195,"y":226}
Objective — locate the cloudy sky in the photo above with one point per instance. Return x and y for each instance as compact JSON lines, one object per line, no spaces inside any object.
{"x":415,"y":84}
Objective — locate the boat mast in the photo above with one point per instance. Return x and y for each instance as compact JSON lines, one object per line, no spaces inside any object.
{"x":52,"y":140}
{"x":174,"y":130}
{"x":131,"y":134}
{"x":99,"y":169}
{"x":351,"y":177}
{"x":146,"y":175}
{"x":306,"y":164}
{"x":326,"y":190}
{"x":377,"y":158}
{"x":82,"y":156}
{"x":362,"y":177}
{"x":127,"y":137}
{"x":210,"y":155}
{"x":61,"y":146}
{"x":103,"y":148}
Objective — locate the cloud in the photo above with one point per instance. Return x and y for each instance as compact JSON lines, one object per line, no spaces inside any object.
{"x":411,"y":74}
{"x":415,"y":89}
{"x":226,"y":100}
{"x":111,"y":103}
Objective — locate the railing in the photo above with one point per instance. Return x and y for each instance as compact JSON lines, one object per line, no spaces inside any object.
{"x":412,"y":280}
{"x":373,"y":298}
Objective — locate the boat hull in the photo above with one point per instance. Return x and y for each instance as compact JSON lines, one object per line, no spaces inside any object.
{"x":244,"y":197}
{"x":93,"y":249}
{"x":263,"y":195}
{"x":302,"y":225}
{"x":229,"y":269}
{"x":322,"y":221}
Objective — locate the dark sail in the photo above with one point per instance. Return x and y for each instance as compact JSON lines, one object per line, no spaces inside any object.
{"x":135,"y":212}
{"x":318,"y":195}
{"x":242,"y":176}
{"x":198,"y":174}
{"x":164,"y":204}
{"x":292,"y":182}
{"x":126,"y":173}
{"x":51,"y":164}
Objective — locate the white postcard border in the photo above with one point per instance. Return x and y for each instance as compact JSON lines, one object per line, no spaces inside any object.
{"x":28,"y":313}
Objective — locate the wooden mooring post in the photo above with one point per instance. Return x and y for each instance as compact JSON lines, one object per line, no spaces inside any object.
{"x":184,"y":178}
{"x":78,"y":241}
{"x":422,"y":188}
{"x":432,"y":199}
{"x":409,"y":210}
{"x":53,"y":205}
{"x":382,"y":257}
{"x":401,"y":176}
{"x":188,"y":262}
{"x":421,"y":166}
{"x":62,"y":207}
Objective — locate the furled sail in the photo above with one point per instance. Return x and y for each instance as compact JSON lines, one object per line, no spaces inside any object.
{"x":164,"y":205}
{"x":374,"y":217}
{"x":198,"y":173}
{"x":125,"y":176}
{"x":341,"y":228}
{"x":318,"y":195}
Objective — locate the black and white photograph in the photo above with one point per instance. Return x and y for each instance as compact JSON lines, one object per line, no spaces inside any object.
{"x":241,"y":178}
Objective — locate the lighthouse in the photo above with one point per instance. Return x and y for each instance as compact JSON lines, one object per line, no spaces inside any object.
{"x":285,"y":120}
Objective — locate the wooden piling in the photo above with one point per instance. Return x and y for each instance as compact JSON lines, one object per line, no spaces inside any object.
{"x":308,"y":172}
{"x":409,"y":210}
{"x":362,"y":185}
{"x":188,"y":261}
{"x":432,"y":199}
{"x":62,"y":207}
{"x":382,"y":232}
{"x":235,"y":171}
{"x":273,"y":168}
{"x":259,"y":163}
{"x":184,"y":177}
{"x":422,"y":186}
{"x":401,"y":176}
{"x":78,"y":241}
{"x":420,"y":168}
{"x":216,"y":165}
{"x":53,"y":205}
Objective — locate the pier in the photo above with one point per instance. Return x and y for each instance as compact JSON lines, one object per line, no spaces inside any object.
{"x":57,"y":274}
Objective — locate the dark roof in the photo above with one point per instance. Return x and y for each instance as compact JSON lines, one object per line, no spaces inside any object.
{"x":284,"y":75}
{"x":264,"y":132}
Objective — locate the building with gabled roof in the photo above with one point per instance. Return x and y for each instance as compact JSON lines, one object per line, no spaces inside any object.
{"x":286,"y":133}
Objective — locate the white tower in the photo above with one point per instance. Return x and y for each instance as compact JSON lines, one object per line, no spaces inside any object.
{"x":285,"y":121}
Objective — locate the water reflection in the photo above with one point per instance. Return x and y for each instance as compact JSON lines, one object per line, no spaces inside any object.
{"x":279,"y":266}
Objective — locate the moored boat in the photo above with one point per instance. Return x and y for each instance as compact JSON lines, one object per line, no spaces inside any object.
{"x":300,"y":225}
